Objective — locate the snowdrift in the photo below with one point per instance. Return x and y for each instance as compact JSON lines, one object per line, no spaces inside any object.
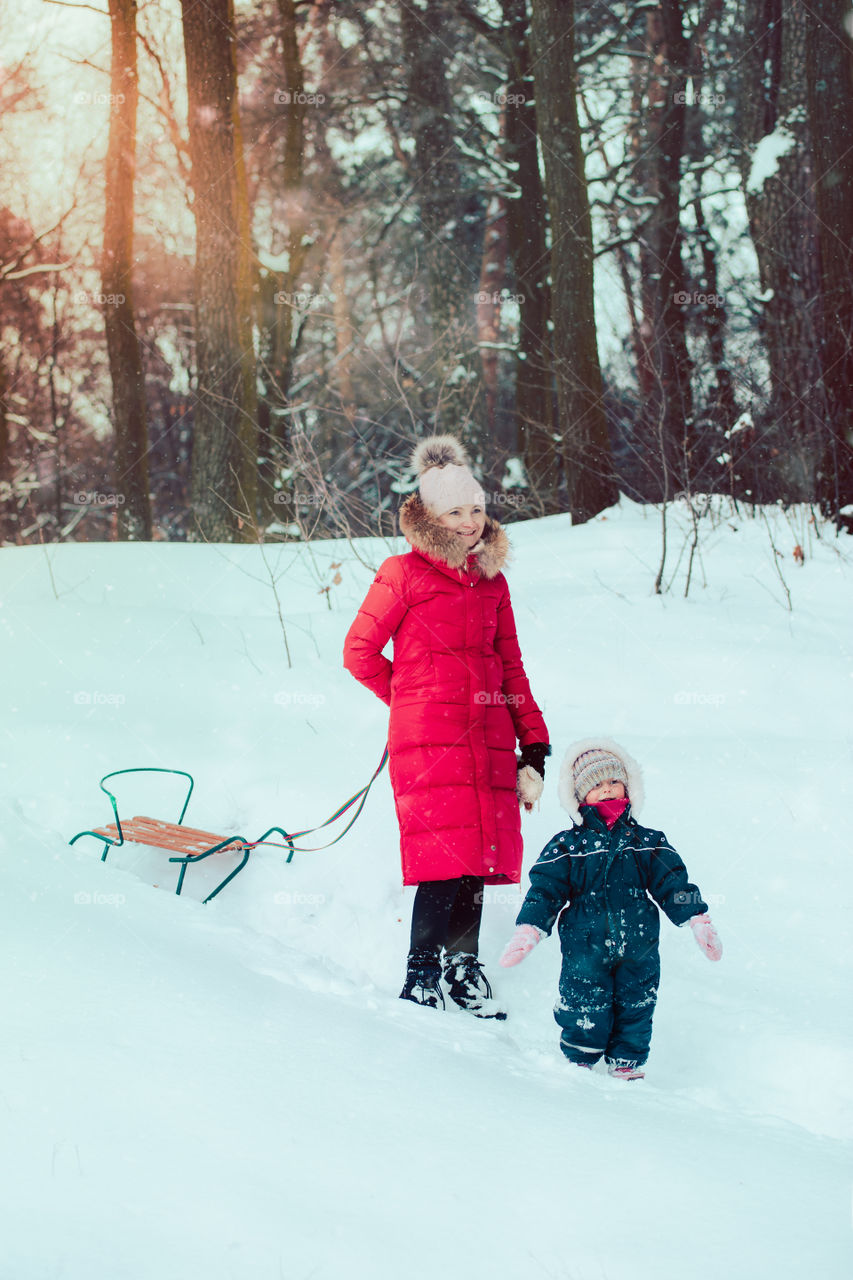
{"x":234,"y":1091}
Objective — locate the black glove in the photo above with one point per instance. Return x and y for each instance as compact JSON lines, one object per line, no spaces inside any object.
{"x":534,"y":754}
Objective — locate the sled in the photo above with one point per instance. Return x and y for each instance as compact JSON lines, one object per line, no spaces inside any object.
{"x":189,"y":845}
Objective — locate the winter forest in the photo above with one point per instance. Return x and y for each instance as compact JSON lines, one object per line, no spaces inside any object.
{"x":249,"y":252}
{"x":255,"y":255}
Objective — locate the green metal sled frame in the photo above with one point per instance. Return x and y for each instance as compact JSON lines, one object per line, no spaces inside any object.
{"x":186,"y":859}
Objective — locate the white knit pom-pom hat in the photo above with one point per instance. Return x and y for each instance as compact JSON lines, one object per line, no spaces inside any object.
{"x":597,"y":752}
{"x":445,"y":479}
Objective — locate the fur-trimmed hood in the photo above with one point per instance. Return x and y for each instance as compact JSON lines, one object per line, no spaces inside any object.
{"x":566,"y":791}
{"x":422,"y":530}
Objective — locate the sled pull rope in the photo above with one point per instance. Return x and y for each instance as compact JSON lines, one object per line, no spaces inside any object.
{"x":358,"y":799}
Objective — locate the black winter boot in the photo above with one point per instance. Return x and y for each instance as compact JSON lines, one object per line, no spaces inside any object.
{"x":423,"y":979}
{"x":468,"y":985}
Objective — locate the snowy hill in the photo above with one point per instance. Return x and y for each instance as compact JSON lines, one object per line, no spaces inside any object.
{"x":233,"y":1091}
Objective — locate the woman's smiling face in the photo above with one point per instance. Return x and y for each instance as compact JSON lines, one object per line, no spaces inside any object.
{"x":467,"y":522}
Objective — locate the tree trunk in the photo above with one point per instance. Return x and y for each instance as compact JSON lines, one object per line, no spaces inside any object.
{"x":7,"y":502}
{"x":5,"y":460}
{"x":646,"y":105}
{"x":225,"y":443}
{"x":664,"y":370}
{"x":670,"y":338}
{"x":583,"y":428}
{"x":344,"y":331}
{"x":723,"y":409}
{"x":528,"y":252}
{"x":276,"y":294}
{"x":829,"y":70}
{"x":779,"y":185}
{"x":130,"y":416}
{"x":489,"y":306}
{"x":451,"y":222}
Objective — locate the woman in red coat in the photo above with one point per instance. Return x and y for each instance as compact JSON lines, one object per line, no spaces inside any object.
{"x":459,"y":701}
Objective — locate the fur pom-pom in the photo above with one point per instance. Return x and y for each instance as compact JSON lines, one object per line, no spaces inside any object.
{"x":438,"y":451}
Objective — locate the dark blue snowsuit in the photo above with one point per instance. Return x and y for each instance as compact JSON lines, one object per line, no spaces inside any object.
{"x":609,"y":930}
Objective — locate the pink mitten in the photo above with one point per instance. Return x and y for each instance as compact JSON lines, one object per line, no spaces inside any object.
{"x":521,"y":944}
{"x":706,"y":936}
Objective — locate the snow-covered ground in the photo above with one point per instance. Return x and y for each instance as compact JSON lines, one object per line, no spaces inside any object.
{"x":234,"y":1092}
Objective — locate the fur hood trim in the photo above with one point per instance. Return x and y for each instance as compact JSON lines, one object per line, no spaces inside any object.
{"x":566,"y":791}
{"x":421,"y":528}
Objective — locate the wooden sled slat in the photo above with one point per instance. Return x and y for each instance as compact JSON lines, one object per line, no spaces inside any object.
{"x":168,"y":835}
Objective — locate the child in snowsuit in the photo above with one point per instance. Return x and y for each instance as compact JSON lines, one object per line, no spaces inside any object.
{"x":603,"y":877}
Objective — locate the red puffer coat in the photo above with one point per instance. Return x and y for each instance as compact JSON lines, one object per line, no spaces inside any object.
{"x":458,"y":695}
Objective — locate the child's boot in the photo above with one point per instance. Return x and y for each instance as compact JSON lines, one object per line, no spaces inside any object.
{"x":423,"y":979}
{"x":469,"y":987}
{"x":624,"y":1069}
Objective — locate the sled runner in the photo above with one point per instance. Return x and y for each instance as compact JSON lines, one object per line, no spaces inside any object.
{"x":189,"y":845}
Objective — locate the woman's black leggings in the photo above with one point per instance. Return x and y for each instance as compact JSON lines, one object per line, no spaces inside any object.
{"x":447,"y":914}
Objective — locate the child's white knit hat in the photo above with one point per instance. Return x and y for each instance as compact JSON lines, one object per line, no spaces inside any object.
{"x":445,"y":478}
{"x":592,"y":761}
{"x":595,"y":766}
